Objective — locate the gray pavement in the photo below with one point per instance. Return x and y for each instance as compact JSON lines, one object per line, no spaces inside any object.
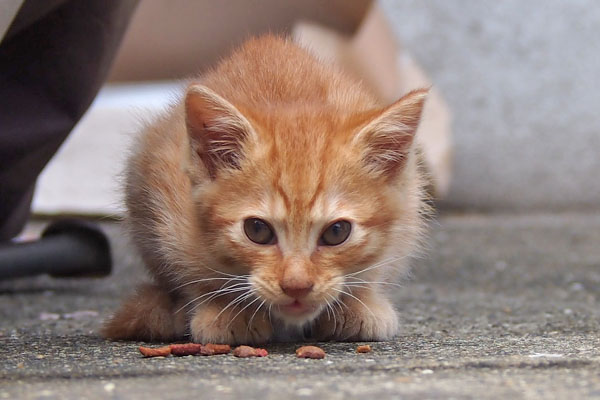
{"x":502,"y":306}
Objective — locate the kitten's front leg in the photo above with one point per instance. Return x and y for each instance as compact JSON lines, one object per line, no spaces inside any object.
{"x":150,"y":314}
{"x":373,"y":318}
{"x":212,"y":324}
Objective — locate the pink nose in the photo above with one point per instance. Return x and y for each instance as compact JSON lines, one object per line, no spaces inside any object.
{"x":297,"y":291}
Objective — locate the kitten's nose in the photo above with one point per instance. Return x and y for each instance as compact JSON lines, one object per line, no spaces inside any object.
{"x":297,"y":291}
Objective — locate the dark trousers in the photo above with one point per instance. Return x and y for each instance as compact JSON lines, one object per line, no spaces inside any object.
{"x":53,"y":60}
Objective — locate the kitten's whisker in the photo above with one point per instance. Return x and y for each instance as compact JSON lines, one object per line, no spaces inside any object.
{"x":335,"y":302}
{"x":238,"y":302}
{"x":270,"y":306}
{"x":223,"y":273}
{"x":327,"y":309}
{"x":239,"y":299}
{"x":229,"y":289}
{"x":253,"y":315}
{"x":341,"y":303}
{"x":208,"y":280}
{"x":205,"y":300}
{"x":221,"y":289}
{"x":374,"y":266}
{"x":362,"y":282}
{"x":357,"y":299}
{"x":351,"y":285}
{"x":239,"y":312}
{"x":333,"y":311}
{"x":214,"y":296}
{"x":263,"y":287}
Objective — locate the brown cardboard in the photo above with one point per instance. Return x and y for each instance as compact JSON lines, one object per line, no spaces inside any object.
{"x":169,"y":39}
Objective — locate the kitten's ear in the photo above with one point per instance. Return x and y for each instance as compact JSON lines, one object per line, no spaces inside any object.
{"x":387,"y":138}
{"x":216,"y":129}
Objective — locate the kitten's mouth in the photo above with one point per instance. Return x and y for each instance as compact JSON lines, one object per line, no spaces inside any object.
{"x":297,"y":308}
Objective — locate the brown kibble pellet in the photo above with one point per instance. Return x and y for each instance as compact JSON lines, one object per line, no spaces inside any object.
{"x":156,"y":351}
{"x":363,"y":348}
{"x":310,"y":352}
{"x":211,"y":349}
{"x":247,"y":351}
{"x":244,"y":351}
{"x":186,"y":349}
{"x":261,"y":352}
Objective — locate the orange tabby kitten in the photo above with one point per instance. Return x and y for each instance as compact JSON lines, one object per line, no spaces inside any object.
{"x":277,"y":195}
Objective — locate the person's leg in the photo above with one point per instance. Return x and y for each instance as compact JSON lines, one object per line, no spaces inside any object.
{"x":53,"y":60}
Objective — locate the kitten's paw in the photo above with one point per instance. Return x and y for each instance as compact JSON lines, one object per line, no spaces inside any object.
{"x":210,"y":325}
{"x":375,"y":320}
{"x":148,"y":315}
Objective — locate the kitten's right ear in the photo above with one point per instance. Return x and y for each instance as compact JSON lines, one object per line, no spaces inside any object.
{"x":216,"y":129}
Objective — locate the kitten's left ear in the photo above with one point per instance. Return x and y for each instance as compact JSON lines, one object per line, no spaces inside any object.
{"x":386,"y":140}
{"x":217,"y":130}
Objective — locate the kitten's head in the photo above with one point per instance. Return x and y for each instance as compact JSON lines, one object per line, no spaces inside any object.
{"x":302,"y":200}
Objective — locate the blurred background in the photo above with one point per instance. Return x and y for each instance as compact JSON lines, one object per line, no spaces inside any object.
{"x":520,"y":81}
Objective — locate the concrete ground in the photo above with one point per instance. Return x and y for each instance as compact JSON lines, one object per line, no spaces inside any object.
{"x":503,"y":306}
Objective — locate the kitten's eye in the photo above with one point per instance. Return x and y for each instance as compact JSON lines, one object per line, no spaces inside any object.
{"x":259,"y":231}
{"x":336,"y":233}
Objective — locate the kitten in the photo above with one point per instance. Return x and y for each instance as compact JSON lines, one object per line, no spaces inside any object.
{"x":278,"y":194}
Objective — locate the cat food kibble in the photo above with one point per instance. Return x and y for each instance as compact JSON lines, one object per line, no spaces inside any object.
{"x":186,"y":349}
{"x":310,"y":352}
{"x":211,"y":349}
{"x":155,"y":352}
{"x":247,"y":351}
{"x":364,"y":348}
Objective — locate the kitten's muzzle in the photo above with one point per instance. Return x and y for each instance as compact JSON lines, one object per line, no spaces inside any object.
{"x":298,"y":292}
